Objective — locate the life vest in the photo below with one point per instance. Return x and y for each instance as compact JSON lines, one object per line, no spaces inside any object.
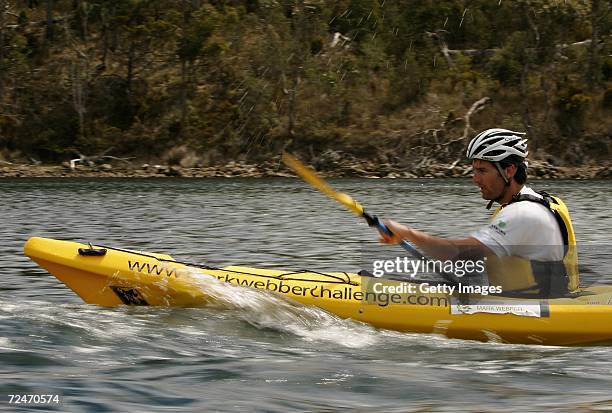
{"x":549,"y":278}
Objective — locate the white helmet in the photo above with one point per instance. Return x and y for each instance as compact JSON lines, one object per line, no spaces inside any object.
{"x":497,"y":144}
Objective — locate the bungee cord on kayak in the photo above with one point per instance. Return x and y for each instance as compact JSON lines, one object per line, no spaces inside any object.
{"x":283,"y":276}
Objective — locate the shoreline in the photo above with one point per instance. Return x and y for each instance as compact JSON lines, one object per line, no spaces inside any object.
{"x":367,"y":169}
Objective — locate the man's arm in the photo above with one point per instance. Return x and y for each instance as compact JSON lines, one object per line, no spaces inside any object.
{"x":436,"y":247}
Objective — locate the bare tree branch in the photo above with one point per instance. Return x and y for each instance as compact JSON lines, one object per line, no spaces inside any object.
{"x":475,"y":108}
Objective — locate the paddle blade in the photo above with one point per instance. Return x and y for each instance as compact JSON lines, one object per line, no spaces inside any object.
{"x":310,"y":176}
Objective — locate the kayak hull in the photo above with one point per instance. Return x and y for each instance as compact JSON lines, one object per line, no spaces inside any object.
{"x":122,"y":277}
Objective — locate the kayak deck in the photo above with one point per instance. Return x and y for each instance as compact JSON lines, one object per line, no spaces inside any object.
{"x":123,"y":277}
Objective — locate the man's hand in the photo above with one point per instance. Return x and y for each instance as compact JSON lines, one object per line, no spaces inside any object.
{"x":432,"y":246}
{"x":399,"y":232}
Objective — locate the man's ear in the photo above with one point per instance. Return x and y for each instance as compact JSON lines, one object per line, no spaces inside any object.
{"x":511,"y":170}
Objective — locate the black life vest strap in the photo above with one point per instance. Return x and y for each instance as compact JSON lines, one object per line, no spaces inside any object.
{"x":551,"y":277}
{"x":546,"y":200}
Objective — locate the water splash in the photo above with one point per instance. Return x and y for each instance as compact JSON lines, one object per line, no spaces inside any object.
{"x":266,"y":310}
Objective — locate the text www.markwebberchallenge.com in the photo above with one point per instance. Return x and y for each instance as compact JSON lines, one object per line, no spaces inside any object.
{"x":316,"y":291}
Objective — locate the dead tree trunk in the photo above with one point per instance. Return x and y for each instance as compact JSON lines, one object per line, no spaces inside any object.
{"x":526,"y":115}
{"x":593,"y":71}
{"x":79,"y":93}
{"x":292,"y":104}
{"x":187,"y":9}
{"x":3,"y":7}
{"x":524,"y":87}
{"x":49,"y":31}
{"x":81,"y":11}
{"x":130,"y":66}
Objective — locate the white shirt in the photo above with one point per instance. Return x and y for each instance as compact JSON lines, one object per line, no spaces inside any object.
{"x":525,"y":229}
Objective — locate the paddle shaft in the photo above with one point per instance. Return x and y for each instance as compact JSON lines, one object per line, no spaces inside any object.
{"x":374,"y":221}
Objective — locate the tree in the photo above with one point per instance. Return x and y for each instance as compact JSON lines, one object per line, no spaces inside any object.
{"x":3,"y":10}
{"x":50,"y":30}
{"x":600,"y":21}
{"x":196,"y":28}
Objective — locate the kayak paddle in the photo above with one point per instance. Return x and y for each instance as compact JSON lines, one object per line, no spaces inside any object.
{"x":310,"y":176}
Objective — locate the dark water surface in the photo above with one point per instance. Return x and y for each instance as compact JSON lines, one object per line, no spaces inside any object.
{"x":261,"y":355}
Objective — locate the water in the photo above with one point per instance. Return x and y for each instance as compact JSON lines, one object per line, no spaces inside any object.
{"x":258,"y":353}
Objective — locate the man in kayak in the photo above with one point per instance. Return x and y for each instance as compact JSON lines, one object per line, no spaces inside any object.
{"x":529,"y":244}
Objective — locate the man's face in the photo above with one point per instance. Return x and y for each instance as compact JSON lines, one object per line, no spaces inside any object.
{"x":488,"y":179}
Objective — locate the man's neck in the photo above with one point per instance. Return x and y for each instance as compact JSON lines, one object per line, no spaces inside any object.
{"x":512,"y":190}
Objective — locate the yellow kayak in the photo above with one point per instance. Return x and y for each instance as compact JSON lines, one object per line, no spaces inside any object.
{"x":111,"y":276}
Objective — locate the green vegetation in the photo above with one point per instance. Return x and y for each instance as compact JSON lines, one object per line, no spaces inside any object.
{"x":390,"y":81}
